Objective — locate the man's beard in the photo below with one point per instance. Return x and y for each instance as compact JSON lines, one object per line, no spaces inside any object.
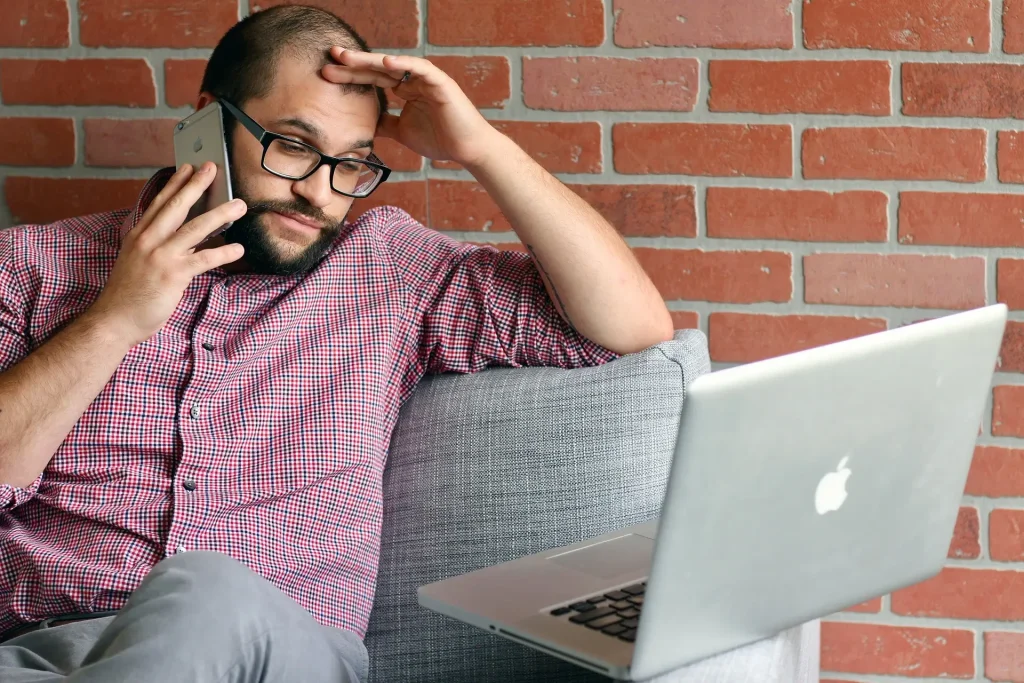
{"x":252,"y":232}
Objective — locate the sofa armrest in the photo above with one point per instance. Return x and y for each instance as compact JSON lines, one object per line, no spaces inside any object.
{"x":490,"y":466}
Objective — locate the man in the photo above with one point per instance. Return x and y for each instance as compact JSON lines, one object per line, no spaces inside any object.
{"x":192,"y":438}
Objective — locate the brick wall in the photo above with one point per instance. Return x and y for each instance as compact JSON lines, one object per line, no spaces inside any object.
{"x":789,"y":172}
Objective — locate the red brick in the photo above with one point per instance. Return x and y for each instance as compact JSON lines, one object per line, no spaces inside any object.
{"x":901,"y":280}
{"x":897,"y":650}
{"x":610,"y":83}
{"x":464,"y":205}
{"x":872,"y":606}
{"x":37,"y":142}
{"x":634,"y":210}
{"x":515,"y":23}
{"x":1010,"y":156}
{"x":807,"y":87}
{"x":486,"y":80}
{"x":972,"y":90}
{"x":382,"y":23}
{"x":397,"y":156}
{"x":155,"y":23}
{"x":1013,"y":26}
{"x":182,"y":79}
{"x":119,"y":82}
{"x":35,"y":23}
{"x":132,"y":143}
{"x":1010,"y":283}
{"x":560,"y":147}
{"x":704,"y":149}
{"x":961,"y":593}
{"x":1004,"y":657}
{"x":1005,"y":540}
{"x":743,"y":24}
{"x":685,"y":320}
{"x":917,"y":25}
{"x":742,"y":277}
{"x":44,"y":200}
{"x":966,"y":542}
{"x":961,"y":219}
{"x":408,"y":195}
{"x":1008,"y":411}
{"x":748,"y":337}
{"x":804,"y":215}
{"x":996,"y":472}
{"x":895,"y":153}
{"x":1011,"y":356}
{"x":644,"y":210}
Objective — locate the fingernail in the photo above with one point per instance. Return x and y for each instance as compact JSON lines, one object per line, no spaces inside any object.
{"x":238,"y":203}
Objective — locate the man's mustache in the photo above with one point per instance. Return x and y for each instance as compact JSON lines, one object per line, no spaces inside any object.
{"x":304,"y":209}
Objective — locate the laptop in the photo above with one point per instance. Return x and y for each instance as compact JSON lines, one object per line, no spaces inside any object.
{"x":800,"y":485}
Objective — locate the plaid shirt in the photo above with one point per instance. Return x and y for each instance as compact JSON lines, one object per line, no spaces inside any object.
{"x":256,"y":422}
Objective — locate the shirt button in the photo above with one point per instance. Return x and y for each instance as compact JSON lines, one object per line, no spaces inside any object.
{"x":180,"y":549}
{"x":194,"y":412}
{"x":189,"y":484}
{"x":208,"y":346}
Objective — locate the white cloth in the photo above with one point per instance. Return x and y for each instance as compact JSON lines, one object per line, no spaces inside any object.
{"x":793,"y":656}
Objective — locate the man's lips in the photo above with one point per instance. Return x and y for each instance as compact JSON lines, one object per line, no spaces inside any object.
{"x":304,"y":221}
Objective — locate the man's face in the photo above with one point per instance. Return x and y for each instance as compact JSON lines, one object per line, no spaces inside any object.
{"x":275,"y":230}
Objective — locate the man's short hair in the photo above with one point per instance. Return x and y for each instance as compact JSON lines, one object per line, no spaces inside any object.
{"x":243,"y":64}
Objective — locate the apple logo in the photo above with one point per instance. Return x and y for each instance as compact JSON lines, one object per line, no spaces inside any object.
{"x":831,"y":493}
{"x":197,"y":146}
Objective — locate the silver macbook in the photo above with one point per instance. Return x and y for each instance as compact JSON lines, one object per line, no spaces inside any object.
{"x":800,"y":485}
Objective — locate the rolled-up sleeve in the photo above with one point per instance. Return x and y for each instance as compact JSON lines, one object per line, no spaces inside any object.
{"x":480,"y":306}
{"x":14,"y":345}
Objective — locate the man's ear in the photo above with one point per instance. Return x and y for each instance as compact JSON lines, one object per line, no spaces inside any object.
{"x":204,"y":99}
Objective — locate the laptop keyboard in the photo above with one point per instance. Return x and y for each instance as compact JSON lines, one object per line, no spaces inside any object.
{"x":615,"y":613}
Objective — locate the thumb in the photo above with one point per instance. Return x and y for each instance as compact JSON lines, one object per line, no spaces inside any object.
{"x":388,"y":126}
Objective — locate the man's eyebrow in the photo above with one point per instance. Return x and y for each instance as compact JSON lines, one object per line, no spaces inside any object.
{"x":314,"y":131}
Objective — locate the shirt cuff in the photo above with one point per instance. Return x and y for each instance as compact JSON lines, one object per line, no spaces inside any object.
{"x":13,"y":496}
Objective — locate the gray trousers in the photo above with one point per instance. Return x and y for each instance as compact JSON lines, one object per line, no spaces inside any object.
{"x":198,"y":616}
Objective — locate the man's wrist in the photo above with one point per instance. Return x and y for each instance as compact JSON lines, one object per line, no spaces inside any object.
{"x":496,"y":151}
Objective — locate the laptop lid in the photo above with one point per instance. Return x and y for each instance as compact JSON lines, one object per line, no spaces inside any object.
{"x":811,"y":482}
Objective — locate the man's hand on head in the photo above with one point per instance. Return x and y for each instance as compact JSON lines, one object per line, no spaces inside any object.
{"x":438,"y":120}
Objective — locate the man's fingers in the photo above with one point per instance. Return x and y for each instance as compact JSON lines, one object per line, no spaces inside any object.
{"x":175,"y":210}
{"x":348,"y":75}
{"x":207,"y":259}
{"x":174,"y":184}
{"x":392,"y":65}
{"x":200,"y":227}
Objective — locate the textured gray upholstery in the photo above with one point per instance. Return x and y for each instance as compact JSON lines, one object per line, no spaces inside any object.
{"x":490,"y":466}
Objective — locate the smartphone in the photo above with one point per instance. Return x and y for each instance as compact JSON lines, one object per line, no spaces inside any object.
{"x":200,"y":138}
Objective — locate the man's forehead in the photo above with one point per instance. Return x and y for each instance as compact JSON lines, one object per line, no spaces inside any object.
{"x":317,"y":108}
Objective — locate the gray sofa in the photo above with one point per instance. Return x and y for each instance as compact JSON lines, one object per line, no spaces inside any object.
{"x":487,"y":467}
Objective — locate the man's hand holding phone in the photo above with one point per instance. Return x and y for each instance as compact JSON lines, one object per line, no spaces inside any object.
{"x":158,"y":259}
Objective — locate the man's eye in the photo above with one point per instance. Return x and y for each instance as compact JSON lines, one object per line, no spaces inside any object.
{"x":292,"y":148}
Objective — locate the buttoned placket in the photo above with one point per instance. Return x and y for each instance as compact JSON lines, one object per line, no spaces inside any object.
{"x":195,"y":430}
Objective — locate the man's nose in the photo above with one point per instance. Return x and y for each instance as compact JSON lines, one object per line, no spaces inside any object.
{"x":316,"y":189}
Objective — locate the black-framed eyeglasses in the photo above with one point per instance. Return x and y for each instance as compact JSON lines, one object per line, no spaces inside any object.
{"x":293,"y":159}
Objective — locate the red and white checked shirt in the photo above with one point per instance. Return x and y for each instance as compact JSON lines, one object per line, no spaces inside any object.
{"x":256,"y":422}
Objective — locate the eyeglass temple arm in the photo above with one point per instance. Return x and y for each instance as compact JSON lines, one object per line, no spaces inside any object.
{"x":243,"y":118}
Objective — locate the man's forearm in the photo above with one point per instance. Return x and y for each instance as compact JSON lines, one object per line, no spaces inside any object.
{"x":43,"y":396}
{"x":589,"y":271}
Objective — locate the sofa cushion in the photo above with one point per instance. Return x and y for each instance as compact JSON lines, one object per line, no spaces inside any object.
{"x":487,"y":467}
